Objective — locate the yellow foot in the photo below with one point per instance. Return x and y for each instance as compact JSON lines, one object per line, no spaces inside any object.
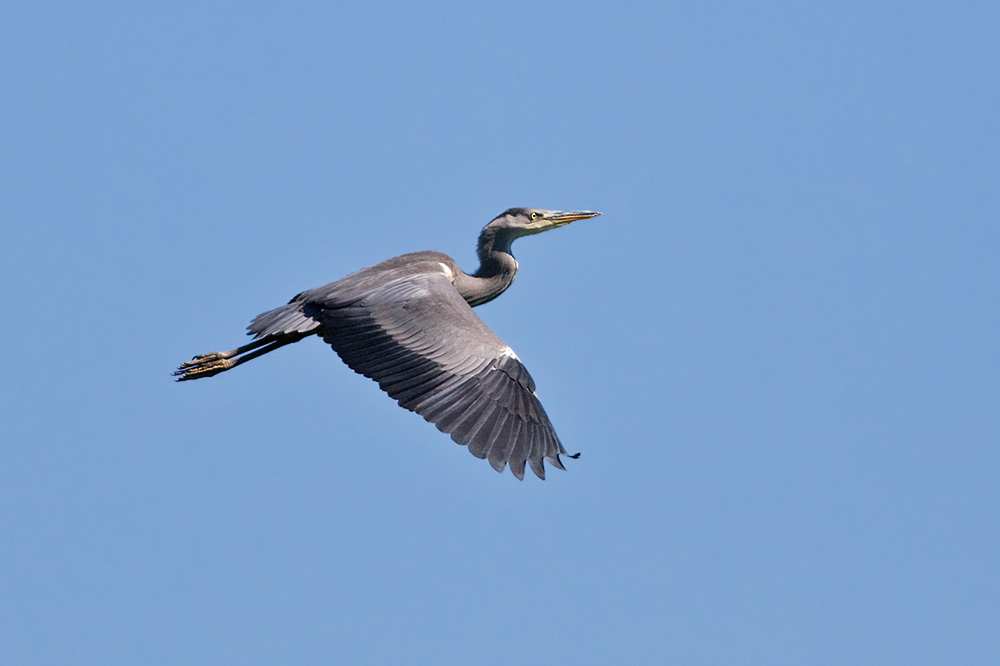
{"x":203,"y":366}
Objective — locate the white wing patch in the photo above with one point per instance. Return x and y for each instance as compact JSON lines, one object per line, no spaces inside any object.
{"x":447,"y":271}
{"x":507,"y":351}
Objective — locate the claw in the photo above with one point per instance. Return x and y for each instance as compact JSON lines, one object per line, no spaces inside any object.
{"x":211,"y":365}
{"x":205,"y":358}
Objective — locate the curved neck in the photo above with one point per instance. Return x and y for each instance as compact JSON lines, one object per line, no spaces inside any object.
{"x":497,"y":268}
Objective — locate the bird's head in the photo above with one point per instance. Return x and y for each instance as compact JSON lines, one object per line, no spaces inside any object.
{"x":527,"y":221}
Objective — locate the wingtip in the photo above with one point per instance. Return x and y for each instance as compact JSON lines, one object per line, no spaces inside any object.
{"x":538,"y":467}
{"x":517,"y":468}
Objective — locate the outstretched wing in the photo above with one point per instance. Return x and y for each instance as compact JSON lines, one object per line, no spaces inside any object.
{"x":418,"y":338}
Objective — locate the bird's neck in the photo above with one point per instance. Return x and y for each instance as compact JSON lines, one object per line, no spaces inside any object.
{"x":497,"y":268}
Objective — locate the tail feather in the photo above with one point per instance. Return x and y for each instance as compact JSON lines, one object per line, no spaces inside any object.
{"x":294,"y":317}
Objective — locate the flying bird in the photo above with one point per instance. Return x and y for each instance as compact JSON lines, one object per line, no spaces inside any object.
{"x":408,"y":324}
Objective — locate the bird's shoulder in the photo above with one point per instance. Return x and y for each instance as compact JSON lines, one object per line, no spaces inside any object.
{"x":415,"y":263}
{"x":376,"y":278}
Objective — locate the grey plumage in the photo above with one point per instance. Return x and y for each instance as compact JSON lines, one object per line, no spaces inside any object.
{"x":408,"y":324}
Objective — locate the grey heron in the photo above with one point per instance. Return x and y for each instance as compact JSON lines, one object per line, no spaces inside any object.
{"x":408,"y":324}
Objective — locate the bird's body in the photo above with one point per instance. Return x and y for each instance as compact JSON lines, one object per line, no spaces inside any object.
{"x":408,"y":324}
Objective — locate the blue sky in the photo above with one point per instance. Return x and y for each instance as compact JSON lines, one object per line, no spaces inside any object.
{"x":776,"y":350}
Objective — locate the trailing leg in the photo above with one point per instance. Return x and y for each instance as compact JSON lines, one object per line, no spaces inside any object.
{"x":207,"y":365}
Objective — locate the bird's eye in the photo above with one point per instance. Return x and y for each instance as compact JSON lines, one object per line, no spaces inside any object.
{"x":534,"y":216}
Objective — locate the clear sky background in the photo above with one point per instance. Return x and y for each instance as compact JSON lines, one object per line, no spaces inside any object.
{"x":778,"y":350}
